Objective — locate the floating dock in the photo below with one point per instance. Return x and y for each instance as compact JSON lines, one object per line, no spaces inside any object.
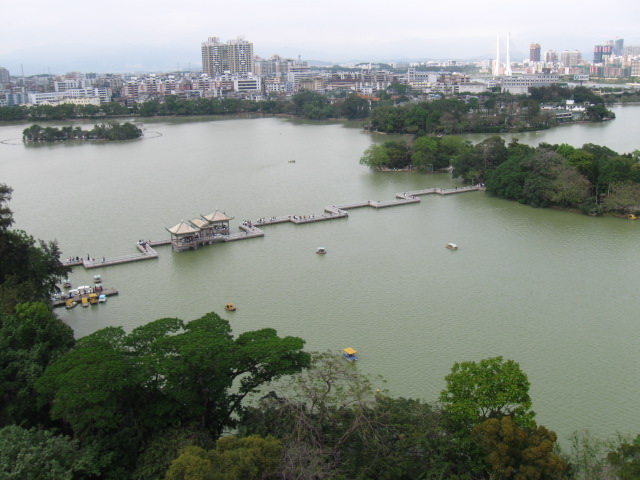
{"x":250,"y":229}
{"x":78,"y":298}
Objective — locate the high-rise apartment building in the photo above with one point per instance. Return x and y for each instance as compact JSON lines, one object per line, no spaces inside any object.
{"x":602,"y":51}
{"x":551,"y":56}
{"x":618,"y":46}
{"x":632,"y":51}
{"x":534,"y":52}
{"x":235,"y":56}
{"x":4,"y":75}
{"x":569,"y":58}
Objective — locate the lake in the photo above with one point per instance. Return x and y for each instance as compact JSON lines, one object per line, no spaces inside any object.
{"x":552,"y":290}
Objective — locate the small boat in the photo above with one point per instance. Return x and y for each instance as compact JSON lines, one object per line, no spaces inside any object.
{"x":66,"y":284}
{"x":85,"y":302}
{"x":230,"y":307}
{"x":69,"y":304}
{"x":97,"y":279}
{"x":349,"y":354}
{"x":292,"y":161}
{"x":102,"y":298}
{"x":631,"y":216}
{"x":321,"y":251}
{"x":452,"y":246}
{"x":98,"y":287}
{"x":93,"y":298}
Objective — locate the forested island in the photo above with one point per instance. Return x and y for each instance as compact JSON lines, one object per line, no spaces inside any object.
{"x":108,"y":131}
{"x":593,"y":179}
{"x":189,"y":400}
{"x":545,"y":107}
{"x":394,"y":110}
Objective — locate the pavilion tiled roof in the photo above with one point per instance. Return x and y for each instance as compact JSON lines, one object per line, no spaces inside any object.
{"x":182,"y":228}
{"x":199,"y":223}
{"x":217,"y":216}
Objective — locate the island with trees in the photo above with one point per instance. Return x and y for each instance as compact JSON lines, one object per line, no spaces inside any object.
{"x":180,"y":400}
{"x":592,"y":179}
{"x":395,"y":109}
{"x":110,"y":131}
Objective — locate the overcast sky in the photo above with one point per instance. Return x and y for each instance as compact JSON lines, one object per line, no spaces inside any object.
{"x":44,"y":36}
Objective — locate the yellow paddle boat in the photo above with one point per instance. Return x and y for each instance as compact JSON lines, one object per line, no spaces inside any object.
{"x":230,"y":307}
{"x":349,"y":354}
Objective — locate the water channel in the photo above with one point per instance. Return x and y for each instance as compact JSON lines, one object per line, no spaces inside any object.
{"x":553,"y":290}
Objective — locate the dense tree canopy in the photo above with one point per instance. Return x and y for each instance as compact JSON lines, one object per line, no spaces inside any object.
{"x":424,"y":154}
{"x":248,"y":458}
{"x":109,"y":131}
{"x":30,"y":270}
{"x":30,"y":340}
{"x":625,"y":460}
{"x":474,"y":164}
{"x":164,"y":374}
{"x":41,"y":455}
{"x":519,"y":453}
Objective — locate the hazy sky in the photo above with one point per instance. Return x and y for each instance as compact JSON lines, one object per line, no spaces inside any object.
{"x":142,"y":35}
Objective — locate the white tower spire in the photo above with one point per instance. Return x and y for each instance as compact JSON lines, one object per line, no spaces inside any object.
{"x":507,"y":70}
{"x":496,"y":66}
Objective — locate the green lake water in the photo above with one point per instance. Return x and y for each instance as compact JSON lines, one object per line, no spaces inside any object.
{"x":553,"y":290}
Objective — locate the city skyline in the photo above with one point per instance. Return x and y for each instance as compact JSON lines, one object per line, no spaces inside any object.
{"x":143,"y":36}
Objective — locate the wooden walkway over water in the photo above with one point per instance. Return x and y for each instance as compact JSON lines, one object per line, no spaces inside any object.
{"x":250,"y":229}
{"x":146,"y":253}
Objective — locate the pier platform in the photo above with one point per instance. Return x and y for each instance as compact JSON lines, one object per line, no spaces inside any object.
{"x":146,"y":253}
{"x":252,"y":229}
{"x":78,"y":298}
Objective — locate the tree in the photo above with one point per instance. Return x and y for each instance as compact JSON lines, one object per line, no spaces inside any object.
{"x":29,"y":270}
{"x":30,"y":339}
{"x":569,"y":187}
{"x":398,"y":154}
{"x":623,"y":197}
{"x":508,"y":180}
{"x":491,"y":153}
{"x":424,"y":153}
{"x":616,"y":170}
{"x":517,"y":149}
{"x":450,"y":148}
{"x":626,"y":460}
{"x":312,"y":105}
{"x":249,"y":458}
{"x":355,"y":107}
{"x":388,"y":155}
{"x":598,"y":113}
{"x":490,"y":388}
{"x":41,"y":455}
{"x":123,"y":388}
{"x":318,"y":414}
{"x":585,"y":163}
{"x":565,"y":150}
{"x":6,"y":215}
{"x":518,"y":453}
{"x":164,"y":447}
{"x":588,"y":456}
{"x":411,"y":440}
{"x":485,"y":156}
